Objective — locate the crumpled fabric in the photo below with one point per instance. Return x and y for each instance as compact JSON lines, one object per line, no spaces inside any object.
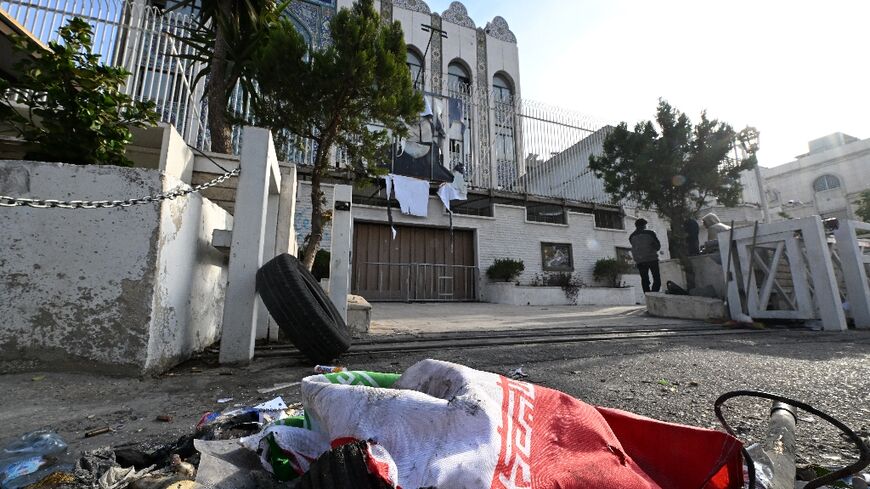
{"x":117,"y":477}
{"x":446,"y":425}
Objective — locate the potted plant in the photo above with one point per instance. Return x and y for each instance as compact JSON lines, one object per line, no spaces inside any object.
{"x":505,"y":270}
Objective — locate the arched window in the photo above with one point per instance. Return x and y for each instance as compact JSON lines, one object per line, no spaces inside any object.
{"x":460,"y":111}
{"x":458,"y":78}
{"x":826,"y":182}
{"x":502,"y":89}
{"x":505,"y":149}
{"x":418,"y":70}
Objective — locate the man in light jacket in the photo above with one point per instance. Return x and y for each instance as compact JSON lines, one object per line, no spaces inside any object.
{"x":645,"y":248}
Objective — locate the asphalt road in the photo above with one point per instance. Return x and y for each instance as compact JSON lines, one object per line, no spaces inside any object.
{"x":673,"y":378}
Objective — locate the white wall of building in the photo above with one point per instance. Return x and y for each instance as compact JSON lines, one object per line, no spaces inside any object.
{"x":508,"y":234}
{"x":790,"y":186}
{"x":461,"y":43}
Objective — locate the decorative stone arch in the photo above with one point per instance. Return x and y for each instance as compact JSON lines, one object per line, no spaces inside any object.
{"x":499,"y":29}
{"x":415,"y":5}
{"x":457,"y":14}
{"x":307,"y":35}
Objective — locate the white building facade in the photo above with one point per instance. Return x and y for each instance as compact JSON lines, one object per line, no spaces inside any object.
{"x":527,"y":199}
{"x":827,"y":181}
{"x":530,"y":197}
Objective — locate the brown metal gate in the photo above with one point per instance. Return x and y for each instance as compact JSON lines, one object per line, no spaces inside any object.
{"x":419,"y":265}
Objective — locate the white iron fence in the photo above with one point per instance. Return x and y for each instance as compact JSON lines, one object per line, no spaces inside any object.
{"x":142,"y":39}
{"x":502,"y":142}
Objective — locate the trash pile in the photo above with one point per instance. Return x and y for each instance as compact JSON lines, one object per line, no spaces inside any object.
{"x":436,"y":425}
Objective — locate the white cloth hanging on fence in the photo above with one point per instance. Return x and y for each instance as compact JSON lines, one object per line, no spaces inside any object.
{"x":412,"y":194}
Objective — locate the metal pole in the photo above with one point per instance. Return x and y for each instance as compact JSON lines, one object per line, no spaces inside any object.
{"x":779,"y":445}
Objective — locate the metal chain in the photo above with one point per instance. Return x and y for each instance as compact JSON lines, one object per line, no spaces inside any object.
{"x":6,"y":201}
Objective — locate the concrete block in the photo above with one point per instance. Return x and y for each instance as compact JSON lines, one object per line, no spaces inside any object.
{"x":684,"y":306}
{"x":672,"y":270}
{"x":359,"y":314}
{"x":129,"y":291}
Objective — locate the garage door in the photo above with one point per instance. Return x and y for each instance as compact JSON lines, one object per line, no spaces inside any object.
{"x":421,"y":264}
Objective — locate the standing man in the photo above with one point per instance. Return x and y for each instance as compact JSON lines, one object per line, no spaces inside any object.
{"x":645,"y":248}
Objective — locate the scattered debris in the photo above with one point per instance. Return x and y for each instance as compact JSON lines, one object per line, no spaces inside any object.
{"x":118,"y":477}
{"x":181,"y":467}
{"x":276,"y":404}
{"x":518,"y":373}
{"x":53,"y":480}
{"x":328,"y":369}
{"x":164,"y":418}
{"x":224,"y":400}
{"x":98,"y":431}
{"x":38,"y":378}
{"x":276,"y":387}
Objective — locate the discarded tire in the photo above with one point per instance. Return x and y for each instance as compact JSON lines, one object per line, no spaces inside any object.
{"x":302,"y":309}
{"x":343,"y":467}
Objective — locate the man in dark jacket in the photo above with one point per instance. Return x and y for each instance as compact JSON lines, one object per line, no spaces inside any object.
{"x":645,"y":248}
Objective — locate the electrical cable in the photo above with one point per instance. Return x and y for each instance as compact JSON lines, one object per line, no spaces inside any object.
{"x":863,"y":449}
{"x":209,"y":158}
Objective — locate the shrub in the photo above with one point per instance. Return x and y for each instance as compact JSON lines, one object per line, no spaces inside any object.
{"x":505,"y":269}
{"x":76,"y":111}
{"x":608,"y":270}
{"x":320,"y":269}
{"x":570,"y":284}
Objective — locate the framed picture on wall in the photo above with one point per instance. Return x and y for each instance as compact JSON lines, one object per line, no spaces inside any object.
{"x":557,"y":257}
{"x":624,"y":254}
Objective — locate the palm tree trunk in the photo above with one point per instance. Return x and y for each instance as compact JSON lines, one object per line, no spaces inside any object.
{"x":218,"y":89}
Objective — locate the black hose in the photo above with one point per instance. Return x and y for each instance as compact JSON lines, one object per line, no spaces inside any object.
{"x":863,"y":450}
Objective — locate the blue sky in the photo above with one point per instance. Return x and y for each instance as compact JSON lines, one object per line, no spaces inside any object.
{"x":797,"y":70}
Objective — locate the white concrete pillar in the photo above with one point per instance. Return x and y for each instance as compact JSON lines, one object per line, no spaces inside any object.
{"x":266,"y":327}
{"x":821,"y":266}
{"x":259,"y":174}
{"x":286,"y":237}
{"x":853,"y":262}
{"x":342,"y":237}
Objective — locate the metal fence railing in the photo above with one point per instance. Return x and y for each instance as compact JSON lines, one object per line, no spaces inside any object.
{"x":502,"y":142}
{"x":140,"y":38}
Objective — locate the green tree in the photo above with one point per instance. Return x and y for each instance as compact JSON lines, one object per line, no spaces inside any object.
{"x":863,"y":211}
{"x":227,"y":34}
{"x":351,"y":95}
{"x":76,"y":111}
{"x":673,"y":167}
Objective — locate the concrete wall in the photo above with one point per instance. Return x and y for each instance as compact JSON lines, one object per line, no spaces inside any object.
{"x":509,"y":235}
{"x":524,"y":295}
{"x":191,"y":281}
{"x":303,"y":214}
{"x":128,"y":291}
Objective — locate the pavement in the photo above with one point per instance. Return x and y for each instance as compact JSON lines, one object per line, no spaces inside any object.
{"x":396,"y":318}
{"x":673,"y":378}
